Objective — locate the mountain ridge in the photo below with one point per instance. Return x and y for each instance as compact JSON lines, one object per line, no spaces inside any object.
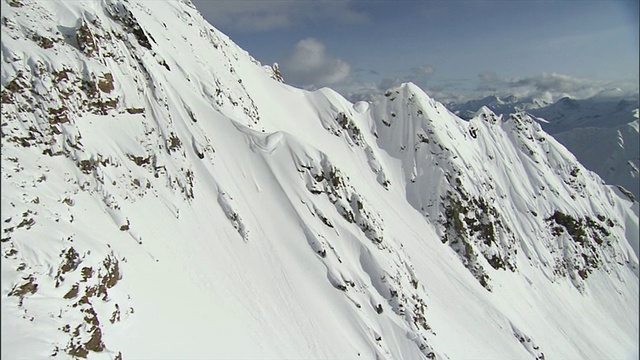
{"x":161,"y":205}
{"x":605,"y":121}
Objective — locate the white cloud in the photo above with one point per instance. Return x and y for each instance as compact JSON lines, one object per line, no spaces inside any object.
{"x":310,"y":65}
{"x":418,"y":75}
{"x":354,"y":89}
{"x":265,"y":15}
{"x":488,"y":76}
{"x":549,"y":86}
{"x":554,"y":82}
{"x":546,"y":86}
{"x":423,"y":71}
{"x":387,"y":83}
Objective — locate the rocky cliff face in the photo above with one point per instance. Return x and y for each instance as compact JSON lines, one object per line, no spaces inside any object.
{"x":165,"y":195}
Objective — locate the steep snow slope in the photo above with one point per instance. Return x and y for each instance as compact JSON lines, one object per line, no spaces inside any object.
{"x":500,"y":175}
{"x":165,"y":196}
{"x":600,"y":131}
{"x":613,"y":153}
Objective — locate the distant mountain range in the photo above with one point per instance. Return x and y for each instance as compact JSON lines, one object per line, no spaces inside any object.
{"x":601,"y":131}
{"x":500,"y":105}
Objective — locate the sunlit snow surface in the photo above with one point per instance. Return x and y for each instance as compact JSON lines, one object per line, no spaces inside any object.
{"x":164,"y":197}
{"x":601,"y":131}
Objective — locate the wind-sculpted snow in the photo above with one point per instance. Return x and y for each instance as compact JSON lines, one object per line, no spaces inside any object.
{"x":601,"y":131}
{"x":494,"y":175}
{"x":166,"y":196}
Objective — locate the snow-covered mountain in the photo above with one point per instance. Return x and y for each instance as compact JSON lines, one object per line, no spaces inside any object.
{"x":601,"y":111}
{"x":164,"y":195}
{"x":601,"y":131}
{"x":606,"y":109}
{"x":504,"y":105}
{"x":613,"y":153}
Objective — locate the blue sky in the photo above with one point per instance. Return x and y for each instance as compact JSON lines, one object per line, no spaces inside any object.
{"x":457,"y":49}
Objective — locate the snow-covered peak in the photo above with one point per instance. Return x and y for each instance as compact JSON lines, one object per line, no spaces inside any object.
{"x":158,"y":180}
{"x":500,"y":105}
{"x":595,"y":122}
{"x":485,"y":112}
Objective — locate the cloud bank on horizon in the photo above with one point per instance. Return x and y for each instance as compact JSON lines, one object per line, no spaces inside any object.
{"x":455,"y":51}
